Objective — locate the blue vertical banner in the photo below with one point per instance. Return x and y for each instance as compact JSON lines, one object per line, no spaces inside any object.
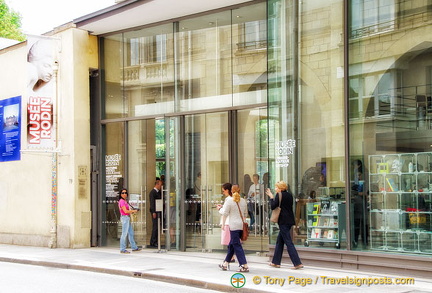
{"x":10,"y":141}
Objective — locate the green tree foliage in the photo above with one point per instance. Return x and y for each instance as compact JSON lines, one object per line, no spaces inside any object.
{"x":10,"y":23}
{"x":160,"y":138}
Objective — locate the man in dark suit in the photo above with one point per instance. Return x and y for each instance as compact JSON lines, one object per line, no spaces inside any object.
{"x":155,"y":194}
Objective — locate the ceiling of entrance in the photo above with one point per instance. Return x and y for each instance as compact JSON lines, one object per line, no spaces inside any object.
{"x":137,"y":13}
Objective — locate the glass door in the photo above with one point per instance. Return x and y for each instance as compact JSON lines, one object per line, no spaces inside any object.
{"x":253,"y":172}
{"x":206,"y":170}
{"x":174,"y":183}
{"x":114,"y":172}
{"x":143,"y":165}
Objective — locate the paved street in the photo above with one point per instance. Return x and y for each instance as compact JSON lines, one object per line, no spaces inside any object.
{"x":36,"y":279}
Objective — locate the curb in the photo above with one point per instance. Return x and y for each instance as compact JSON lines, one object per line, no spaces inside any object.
{"x":147,"y":276}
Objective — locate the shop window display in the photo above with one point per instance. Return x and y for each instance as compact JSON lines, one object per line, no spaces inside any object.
{"x":389,"y":126}
{"x":400,"y":194}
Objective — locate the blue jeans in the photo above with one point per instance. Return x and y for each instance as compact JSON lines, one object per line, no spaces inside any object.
{"x":252,"y":218}
{"x":127,"y":231}
{"x":235,"y":247}
{"x":284,"y":238}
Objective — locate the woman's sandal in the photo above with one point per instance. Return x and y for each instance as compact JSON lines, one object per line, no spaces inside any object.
{"x":243,"y":269}
{"x":273,"y":265}
{"x":224,"y":266}
{"x":300,"y":266}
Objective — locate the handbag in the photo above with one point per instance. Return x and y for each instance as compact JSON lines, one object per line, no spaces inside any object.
{"x":134,"y":216}
{"x":225,"y":236}
{"x":276,"y":212}
{"x":245,"y":233}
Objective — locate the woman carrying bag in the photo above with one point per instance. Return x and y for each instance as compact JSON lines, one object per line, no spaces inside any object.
{"x":225,"y":234}
{"x":236,"y":209}
{"x":285,"y":222}
{"x":127,"y":229}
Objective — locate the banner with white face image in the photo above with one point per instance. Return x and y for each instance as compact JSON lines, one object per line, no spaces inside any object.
{"x":41,"y":134}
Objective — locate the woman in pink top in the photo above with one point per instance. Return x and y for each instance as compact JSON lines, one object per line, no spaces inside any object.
{"x":127,"y":229}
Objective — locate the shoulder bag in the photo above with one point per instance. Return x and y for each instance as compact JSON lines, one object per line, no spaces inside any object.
{"x":245,"y":233}
{"x":134,"y":216}
{"x":276,"y":212}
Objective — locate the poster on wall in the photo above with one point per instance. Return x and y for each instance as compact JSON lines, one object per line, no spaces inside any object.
{"x":41,"y":134}
{"x":10,"y":142}
{"x":114,"y":178}
{"x":284,"y":149}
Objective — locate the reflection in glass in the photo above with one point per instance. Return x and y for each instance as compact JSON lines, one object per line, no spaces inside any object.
{"x":249,"y":61}
{"x":114,"y":181}
{"x":221,"y":61}
{"x":390,"y":122}
{"x":206,"y":169}
{"x":252,"y":175}
{"x":204,"y":45}
{"x":322,"y":144}
{"x":140,"y":175}
{"x":148,"y":75}
{"x":112,"y":73}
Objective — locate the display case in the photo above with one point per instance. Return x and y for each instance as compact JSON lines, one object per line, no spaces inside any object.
{"x":325,"y":221}
{"x":400,"y":189}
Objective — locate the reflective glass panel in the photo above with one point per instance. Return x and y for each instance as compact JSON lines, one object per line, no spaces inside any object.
{"x":114,"y":180}
{"x":148,"y":74}
{"x":390,"y":122}
{"x":112,"y":76}
{"x":320,"y":210}
{"x":206,"y":169}
{"x":205,"y":68}
{"x":252,"y":143}
{"x":141,"y":173}
{"x":249,"y":56}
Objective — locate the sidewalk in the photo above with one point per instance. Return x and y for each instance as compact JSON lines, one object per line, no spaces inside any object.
{"x":201,"y":270}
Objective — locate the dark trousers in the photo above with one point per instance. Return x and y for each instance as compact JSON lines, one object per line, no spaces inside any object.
{"x":154,"y":235}
{"x":235,"y":247}
{"x":360,"y":229}
{"x":284,"y":238}
{"x":260,"y":216}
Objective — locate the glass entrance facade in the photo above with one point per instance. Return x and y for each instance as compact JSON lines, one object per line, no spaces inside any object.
{"x":186,"y":102}
{"x":333,"y":97}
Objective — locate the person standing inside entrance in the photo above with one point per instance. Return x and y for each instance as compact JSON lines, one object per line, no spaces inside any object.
{"x":127,"y":229}
{"x":360,"y":202}
{"x":285,"y":222}
{"x":255,"y":205}
{"x":155,"y":194}
{"x":197,"y":190}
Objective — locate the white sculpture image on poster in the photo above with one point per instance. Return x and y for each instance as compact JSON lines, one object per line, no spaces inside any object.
{"x":40,"y":61}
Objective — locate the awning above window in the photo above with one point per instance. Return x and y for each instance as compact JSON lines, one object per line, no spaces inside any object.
{"x":136,"y":13}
